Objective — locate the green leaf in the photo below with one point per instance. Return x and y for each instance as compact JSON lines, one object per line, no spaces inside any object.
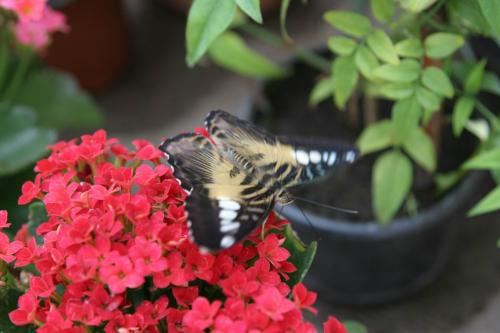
{"x":342,"y":45}
{"x":442,"y":44}
{"x":302,"y":255}
{"x":406,"y":115}
{"x":428,"y":99}
{"x":474,"y":79}
{"x":397,"y":91}
{"x":376,"y":136}
{"x":392,"y":178}
{"x":365,"y":61}
{"x":489,"y":160}
{"x":383,"y":10}
{"x":207,"y":19}
{"x":421,"y":148}
{"x":416,"y":6}
{"x":467,"y":14}
{"x":58,"y":101}
{"x":344,"y":79}
{"x":251,"y":8}
{"x":351,"y":23}
{"x":408,"y":70}
{"x":21,"y":142}
{"x":321,"y":91}
{"x":354,"y":327}
{"x":410,"y":47}
{"x":436,"y":80}
{"x":491,"y":83}
{"x":488,"y":204}
{"x":491,"y":11}
{"x":381,"y":45}
{"x":283,"y":13}
{"x":461,"y":113}
{"x":229,"y":51}
{"x":445,"y":181}
{"x":37,"y":214}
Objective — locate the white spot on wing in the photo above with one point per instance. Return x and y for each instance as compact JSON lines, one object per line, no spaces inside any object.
{"x":325,"y":156}
{"x":227,"y":228}
{"x":349,"y":157}
{"x":228,"y":204}
{"x":302,"y":157}
{"x":315,"y":156}
{"x":227,"y":241}
{"x":332,"y":158}
{"x":227,"y":214}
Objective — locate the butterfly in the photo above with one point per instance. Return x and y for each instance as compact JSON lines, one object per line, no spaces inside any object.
{"x":236,"y":176}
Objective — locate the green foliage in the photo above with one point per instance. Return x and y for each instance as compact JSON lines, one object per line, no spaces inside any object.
{"x":344,"y":78}
{"x":351,"y":23}
{"x":321,"y":91}
{"x":420,"y":147}
{"x":474,"y":80}
{"x":392,"y":178}
{"x":442,"y":44}
{"x":342,"y":45}
{"x":406,"y":71}
{"x":354,"y":327}
{"x":383,"y":10}
{"x":410,"y":47}
{"x":251,"y":8}
{"x":301,"y":255}
{"x":428,"y":99}
{"x":406,"y":115}
{"x":376,"y":137}
{"x":207,"y":20}
{"x":491,"y":10}
{"x":58,"y":101}
{"x":416,"y":6}
{"x":285,"y":4}
{"x":436,"y":80}
{"x":22,"y":142}
{"x":396,"y":91}
{"x":381,"y":44}
{"x":489,"y":203}
{"x":229,"y":51}
{"x":489,"y":159}
{"x":461,"y":113}
{"x":365,"y":61}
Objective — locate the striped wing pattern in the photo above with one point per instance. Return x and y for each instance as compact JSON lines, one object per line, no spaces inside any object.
{"x":235,"y":177}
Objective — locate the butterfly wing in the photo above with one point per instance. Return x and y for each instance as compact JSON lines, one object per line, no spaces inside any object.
{"x":291,"y":161}
{"x":225,"y":204}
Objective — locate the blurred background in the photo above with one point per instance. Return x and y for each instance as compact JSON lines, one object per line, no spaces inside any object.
{"x":411,"y":260}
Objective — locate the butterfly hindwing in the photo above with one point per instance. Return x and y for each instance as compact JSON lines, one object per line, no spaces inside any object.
{"x":291,"y":161}
{"x":225,"y":204}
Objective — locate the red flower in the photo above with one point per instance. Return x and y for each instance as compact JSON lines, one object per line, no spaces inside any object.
{"x":304,"y":298}
{"x":201,"y":315}
{"x":30,"y":191}
{"x":119,"y":273}
{"x":273,"y":304}
{"x":42,"y":286}
{"x":26,"y":312}
{"x":332,"y":325}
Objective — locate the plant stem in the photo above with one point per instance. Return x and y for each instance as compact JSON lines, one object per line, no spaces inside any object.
{"x":19,"y":75}
{"x":309,"y":57}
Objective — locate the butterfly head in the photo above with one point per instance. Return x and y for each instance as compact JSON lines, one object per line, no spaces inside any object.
{"x":283,"y":197}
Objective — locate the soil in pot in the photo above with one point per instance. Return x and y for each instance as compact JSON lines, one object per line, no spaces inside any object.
{"x":286,"y":112}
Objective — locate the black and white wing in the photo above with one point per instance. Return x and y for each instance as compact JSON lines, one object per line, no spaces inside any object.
{"x":225,"y":204}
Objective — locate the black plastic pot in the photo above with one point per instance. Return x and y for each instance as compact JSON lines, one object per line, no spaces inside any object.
{"x":368,"y":264}
{"x":363,"y":262}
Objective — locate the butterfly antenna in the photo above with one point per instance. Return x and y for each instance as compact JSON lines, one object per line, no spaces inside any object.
{"x":343,"y":210}
{"x":316,"y":233}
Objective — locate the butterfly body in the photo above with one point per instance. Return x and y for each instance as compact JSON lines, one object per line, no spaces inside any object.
{"x":235,"y":177}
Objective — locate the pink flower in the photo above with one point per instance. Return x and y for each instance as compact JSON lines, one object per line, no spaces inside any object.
{"x":201,"y":315}
{"x":36,"y":32}
{"x":26,"y":9}
{"x":273,"y":304}
{"x":3,"y":219}
{"x":26,"y":312}
{"x":304,"y":298}
{"x":332,"y":325}
{"x":119,"y":273}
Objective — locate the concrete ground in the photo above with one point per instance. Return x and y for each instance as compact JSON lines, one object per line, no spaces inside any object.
{"x":159,"y":96}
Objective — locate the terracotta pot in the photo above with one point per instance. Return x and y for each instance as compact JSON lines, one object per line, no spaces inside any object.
{"x":95,"y":51}
{"x":182,"y":6}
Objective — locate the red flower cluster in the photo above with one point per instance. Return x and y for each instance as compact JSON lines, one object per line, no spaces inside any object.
{"x":115,"y":254}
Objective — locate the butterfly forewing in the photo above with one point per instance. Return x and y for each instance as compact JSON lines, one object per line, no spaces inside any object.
{"x":287,"y":160}
{"x":225,"y":203}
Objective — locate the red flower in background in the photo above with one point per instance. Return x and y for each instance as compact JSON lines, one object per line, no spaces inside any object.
{"x":116,"y":228}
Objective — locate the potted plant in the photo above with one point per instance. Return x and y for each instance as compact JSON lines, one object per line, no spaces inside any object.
{"x":36,"y":103}
{"x":106,"y":248}
{"x":408,"y":99}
